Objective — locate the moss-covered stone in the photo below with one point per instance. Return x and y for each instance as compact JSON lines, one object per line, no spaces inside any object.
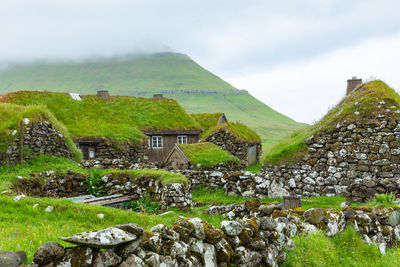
{"x":212,"y":234}
{"x":279,"y":213}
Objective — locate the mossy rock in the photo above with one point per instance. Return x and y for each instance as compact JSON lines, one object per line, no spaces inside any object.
{"x":252,"y":224}
{"x":279,"y":213}
{"x":315,"y":216}
{"x":184,"y":233}
{"x":224,"y":251}
{"x":252,"y":203}
{"x":212,"y":234}
{"x":364,"y":208}
{"x":245,"y":237}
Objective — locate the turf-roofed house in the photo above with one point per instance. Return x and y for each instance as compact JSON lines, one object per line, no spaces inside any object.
{"x":199,"y":155}
{"x":107,"y":127}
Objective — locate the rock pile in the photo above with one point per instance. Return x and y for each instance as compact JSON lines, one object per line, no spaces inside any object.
{"x":188,"y":242}
{"x":380,"y":226}
{"x":39,"y":138}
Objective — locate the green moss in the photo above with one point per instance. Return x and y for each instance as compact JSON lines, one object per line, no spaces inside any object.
{"x":239,"y":130}
{"x":120,"y":119}
{"x":207,"y":120}
{"x":364,"y":99}
{"x":206,"y":154}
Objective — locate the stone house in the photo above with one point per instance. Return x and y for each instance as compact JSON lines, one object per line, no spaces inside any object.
{"x":104,"y":127}
{"x":238,"y":140}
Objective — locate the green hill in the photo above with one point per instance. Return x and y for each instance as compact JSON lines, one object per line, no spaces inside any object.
{"x":175,"y":75}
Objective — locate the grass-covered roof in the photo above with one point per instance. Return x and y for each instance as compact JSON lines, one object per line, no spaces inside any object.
{"x":207,"y":120}
{"x":12,"y":114}
{"x":120,"y":119}
{"x":206,"y":154}
{"x":239,"y":130}
{"x":363,"y":104}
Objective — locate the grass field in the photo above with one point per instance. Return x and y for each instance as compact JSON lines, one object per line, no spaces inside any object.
{"x":23,"y":227}
{"x":145,"y":75}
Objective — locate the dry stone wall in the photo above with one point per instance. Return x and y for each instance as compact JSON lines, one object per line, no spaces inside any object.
{"x":188,"y":242}
{"x":72,"y":184}
{"x":355,"y":159}
{"x":105,"y":152}
{"x":39,"y":138}
{"x":376,"y":225}
{"x":234,"y":146}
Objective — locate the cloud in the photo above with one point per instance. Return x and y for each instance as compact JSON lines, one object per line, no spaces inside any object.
{"x":263,"y":46}
{"x":304,"y":90}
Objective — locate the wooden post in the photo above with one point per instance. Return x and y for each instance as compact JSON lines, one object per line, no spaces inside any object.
{"x":21,"y":142}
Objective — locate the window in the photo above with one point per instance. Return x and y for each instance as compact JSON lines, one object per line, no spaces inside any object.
{"x":182,"y":139}
{"x":157,"y":141}
{"x":91,"y":152}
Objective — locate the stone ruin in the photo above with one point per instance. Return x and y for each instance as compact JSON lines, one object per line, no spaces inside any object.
{"x":38,"y":138}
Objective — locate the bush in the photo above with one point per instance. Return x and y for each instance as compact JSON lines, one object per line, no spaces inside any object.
{"x":94,"y":184}
{"x":145,"y":205}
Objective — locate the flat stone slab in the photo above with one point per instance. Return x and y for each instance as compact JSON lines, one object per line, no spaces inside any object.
{"x":106,"y":238}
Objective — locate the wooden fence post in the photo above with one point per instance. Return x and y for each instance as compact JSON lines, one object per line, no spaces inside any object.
{"x":21,"y":142}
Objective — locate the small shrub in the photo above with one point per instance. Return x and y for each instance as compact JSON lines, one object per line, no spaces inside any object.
{"x":385,"y":198}
{"x":145,"y":205}
{"x":94,"y":184}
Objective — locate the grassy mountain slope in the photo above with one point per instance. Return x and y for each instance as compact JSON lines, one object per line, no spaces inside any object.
{"x":147,"y":74}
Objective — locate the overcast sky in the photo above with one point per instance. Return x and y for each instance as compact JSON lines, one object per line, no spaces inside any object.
{"x":293,"y":55}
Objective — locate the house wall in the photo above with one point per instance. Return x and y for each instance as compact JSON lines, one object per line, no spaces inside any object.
{"x":104,"y":151}
{"x":238,"y":148}
{"x":169,"y":141}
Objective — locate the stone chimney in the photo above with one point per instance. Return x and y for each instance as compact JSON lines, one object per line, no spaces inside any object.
{"x":103,"y":94}
{"x":158,"y":96}
{"x":352,"y":84}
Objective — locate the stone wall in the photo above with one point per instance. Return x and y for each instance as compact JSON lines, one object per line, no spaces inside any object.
{"x":130,"y":153}
{"x":234,"y":146}
{"x":117,"y":164}
{"x":39,"y":138}
{"x":376,"y":225}
{"x":360,"y":153}
{"x":71,"y":184}
{"x":188,"y":242}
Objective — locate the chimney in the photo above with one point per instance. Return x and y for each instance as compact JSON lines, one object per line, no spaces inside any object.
{"x":352,"y":84}
{"x":158,"y":96}
{"x":103,"y":94}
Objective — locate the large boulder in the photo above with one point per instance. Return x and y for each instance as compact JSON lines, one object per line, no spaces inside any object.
{"x":315,"y":216}
{"x":231,"y":228}
{"x":12,"y":259}
{"x":393,"y":219}
{"x":106,"y":238}
{"x":48,"y":252}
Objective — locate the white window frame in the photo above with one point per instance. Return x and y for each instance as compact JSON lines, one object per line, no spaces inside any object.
{"x":91,"y":149}
{"x":157,"y":142}
{"x":182,"y":139}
